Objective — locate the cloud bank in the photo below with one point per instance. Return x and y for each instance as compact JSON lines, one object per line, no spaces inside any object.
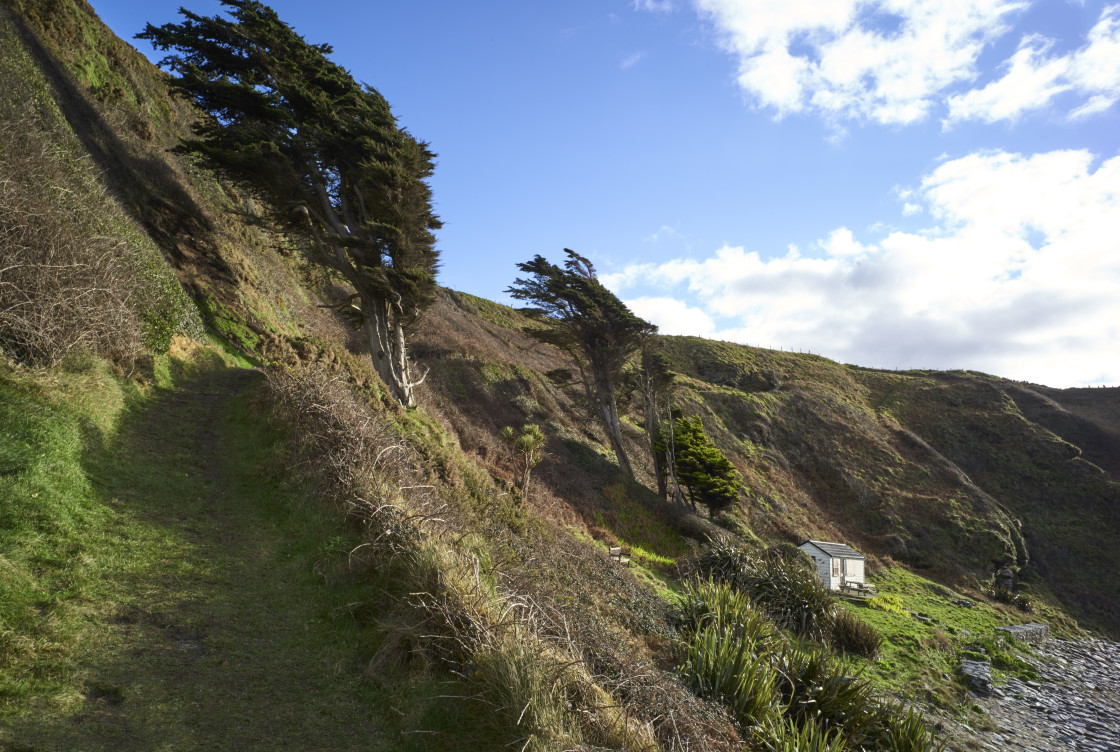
{"x":896,"y":61}
{"x":1017,"y":274}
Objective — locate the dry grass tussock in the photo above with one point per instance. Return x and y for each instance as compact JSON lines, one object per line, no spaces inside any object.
{"x":439,"y":606}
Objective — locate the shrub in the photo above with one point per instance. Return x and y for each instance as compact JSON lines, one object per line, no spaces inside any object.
{"x":783,"y":585}
{"x":713,"y":604}
{"x":903,"y":729}
{"x":726,"y":562}
{"x":850,"y":634}
{"x":816,"y":687}
{"x":1020,"y":601}
{"x":789,"y":737}
{"x":719,"y":663}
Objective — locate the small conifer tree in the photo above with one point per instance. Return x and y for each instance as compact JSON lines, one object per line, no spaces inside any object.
{"x":707,"y":475}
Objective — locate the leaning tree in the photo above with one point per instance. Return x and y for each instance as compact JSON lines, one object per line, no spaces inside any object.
{"x":326,"y":155}
{"x":586,"y":320}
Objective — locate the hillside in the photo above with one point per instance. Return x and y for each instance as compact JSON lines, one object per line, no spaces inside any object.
{"x":944,"y":472}
{"x":438,"y":587}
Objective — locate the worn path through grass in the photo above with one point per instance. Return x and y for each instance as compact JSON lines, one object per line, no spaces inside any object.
{"x":216,"y":603}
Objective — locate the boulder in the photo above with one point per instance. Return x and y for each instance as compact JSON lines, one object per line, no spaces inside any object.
{"x":1032,"y":632}
{"x":978,"y":675}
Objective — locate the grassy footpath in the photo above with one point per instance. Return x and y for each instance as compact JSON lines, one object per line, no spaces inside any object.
{"x":163,"y":588}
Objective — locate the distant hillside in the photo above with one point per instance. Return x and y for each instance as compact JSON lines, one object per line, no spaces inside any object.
{"x":942,"y":471}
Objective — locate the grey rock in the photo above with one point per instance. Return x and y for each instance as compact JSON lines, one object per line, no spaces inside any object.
{"x":978,"y":674}
{"x":1032,"y":632}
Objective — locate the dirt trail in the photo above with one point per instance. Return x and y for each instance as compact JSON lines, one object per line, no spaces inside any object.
{"x":224,"y":625}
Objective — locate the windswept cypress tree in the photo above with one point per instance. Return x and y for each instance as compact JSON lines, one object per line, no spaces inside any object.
{"x":326,"y":155}
{"x":590,"y":323}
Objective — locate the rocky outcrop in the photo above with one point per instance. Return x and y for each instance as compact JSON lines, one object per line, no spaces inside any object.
{"x":1032,"y":632}
{"x":1075,"y":704}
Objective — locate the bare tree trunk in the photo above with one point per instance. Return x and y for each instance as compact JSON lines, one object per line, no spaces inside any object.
{"x":385,"y":338}
{"x":652,"y":427}
{"x":671,"y":461}
{"x":608,"y":408}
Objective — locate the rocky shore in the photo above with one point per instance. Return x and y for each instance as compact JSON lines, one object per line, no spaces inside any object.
{"x":1075,"y":704}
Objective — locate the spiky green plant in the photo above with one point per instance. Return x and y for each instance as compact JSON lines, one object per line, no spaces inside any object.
{"x":816,"y":687}
{"x":850,"y":634}
{"x":904,"y":729}
{"x":720,"y":664}
{"x":789,"y":737}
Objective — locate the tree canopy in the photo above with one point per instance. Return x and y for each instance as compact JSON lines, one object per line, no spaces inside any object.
{"x":589,"y":322}
{"x":326,"y":155}
{"x":706,"y":473}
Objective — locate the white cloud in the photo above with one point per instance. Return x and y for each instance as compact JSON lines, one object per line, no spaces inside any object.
{"x":1016,"y":275}
{"x":841,"y":242}
{"x":653,"y":6}
{"x":882,"y":60}
{"x":672,"y":316}
{"x":631,"y":60}
{"x":1034,"y":77}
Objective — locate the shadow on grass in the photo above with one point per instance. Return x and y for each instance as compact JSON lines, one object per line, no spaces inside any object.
{"x":218,"y":597}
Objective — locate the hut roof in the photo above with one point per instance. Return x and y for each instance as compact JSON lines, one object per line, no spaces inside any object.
{"x":837,"y":550}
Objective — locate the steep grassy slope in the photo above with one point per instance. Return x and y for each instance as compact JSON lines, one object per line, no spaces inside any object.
{"x":1068,"y":507}
{"x":251,"y":285}
{"x":472,"y":597}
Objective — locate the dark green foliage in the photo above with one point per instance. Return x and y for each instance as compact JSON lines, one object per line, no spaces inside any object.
{"x":904,"y":730}
{"x":728,"y":653}
{"x":790,"y":592}
{"x":720,"y":664}
{"x":325,"y":153}
{"x":817,"y":688}
{"x":850,"y":634}
{"x":795,"y":695}
{"x":1021,"y":601}
{"x":590,"y":323}
{"x":703,"y":470}
{"x":726,"y":562}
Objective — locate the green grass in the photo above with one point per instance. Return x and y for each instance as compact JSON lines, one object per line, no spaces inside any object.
{"x":164,"y":582}
{"x":919,"y":659}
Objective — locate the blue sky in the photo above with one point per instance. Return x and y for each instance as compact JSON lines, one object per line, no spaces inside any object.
{"x":891,"y":183}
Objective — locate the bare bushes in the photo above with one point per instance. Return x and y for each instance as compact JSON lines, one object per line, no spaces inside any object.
{"x":62,"y":288}
{"x":75,"y":273}
{"x":437,"y":603}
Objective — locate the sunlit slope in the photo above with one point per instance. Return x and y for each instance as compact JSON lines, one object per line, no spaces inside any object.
{"x":954,"y":474}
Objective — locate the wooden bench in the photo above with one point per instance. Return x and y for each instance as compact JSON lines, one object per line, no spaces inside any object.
{"x":617,"y":554}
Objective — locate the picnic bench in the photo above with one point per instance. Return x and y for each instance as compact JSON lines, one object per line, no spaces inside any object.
{"x":617,"y":554}
{"x":858,"y":589}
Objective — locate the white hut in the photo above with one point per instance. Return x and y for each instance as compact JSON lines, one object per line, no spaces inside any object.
{"x":838,"y":565}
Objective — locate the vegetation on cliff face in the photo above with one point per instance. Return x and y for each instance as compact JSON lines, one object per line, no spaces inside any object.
{"x":438,"y":593}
